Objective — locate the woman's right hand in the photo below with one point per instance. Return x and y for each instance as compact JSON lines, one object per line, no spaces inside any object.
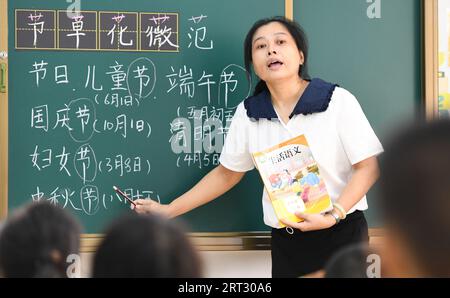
{"x":213,"y":185}
{"x":144,"y":206}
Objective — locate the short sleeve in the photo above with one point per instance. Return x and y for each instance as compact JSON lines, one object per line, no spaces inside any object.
{"x":355,"y":132}
{"x":235,"y":154}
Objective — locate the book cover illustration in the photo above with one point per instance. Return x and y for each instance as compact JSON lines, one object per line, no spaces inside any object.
{"x":292,"y":179}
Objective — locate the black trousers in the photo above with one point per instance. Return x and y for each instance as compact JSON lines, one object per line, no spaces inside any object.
{"x":305,"y":252}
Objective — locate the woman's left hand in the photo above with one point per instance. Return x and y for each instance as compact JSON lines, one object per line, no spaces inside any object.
{"x":312,"y":222}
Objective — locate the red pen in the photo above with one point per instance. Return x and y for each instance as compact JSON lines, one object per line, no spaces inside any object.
{"x":116,"y":189}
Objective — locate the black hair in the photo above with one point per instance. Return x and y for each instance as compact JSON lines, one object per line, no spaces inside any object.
{"x":415,"y":192}
{"x":349,"y":262}
{"x":296,"y":32}
{"x":146,"y":246}
{"x":31,"y":237}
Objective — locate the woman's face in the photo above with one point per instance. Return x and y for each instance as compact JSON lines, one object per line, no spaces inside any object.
{"x":275,"y":54}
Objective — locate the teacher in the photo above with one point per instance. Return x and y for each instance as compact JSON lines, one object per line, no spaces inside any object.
{"x":287,"y":103}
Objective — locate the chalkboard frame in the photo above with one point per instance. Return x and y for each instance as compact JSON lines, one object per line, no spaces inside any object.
{"x":225,"y":241}
{"x":4,"y":113}
{"x":430,"y":59}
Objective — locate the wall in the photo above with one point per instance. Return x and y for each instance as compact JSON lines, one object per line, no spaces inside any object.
{"x":219,"y":264}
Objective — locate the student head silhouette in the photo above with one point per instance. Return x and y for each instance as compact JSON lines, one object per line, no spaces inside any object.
{"x":353,"y":261}
{"x":36,"y":241}
{"x":415,"y":200}
{"x":146,"y":246}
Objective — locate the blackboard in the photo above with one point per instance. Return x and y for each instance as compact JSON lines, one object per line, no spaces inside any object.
{"x":373,"y":49}
{"x":128,"y":93}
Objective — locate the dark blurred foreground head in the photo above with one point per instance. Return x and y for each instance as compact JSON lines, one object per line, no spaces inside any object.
{"x":146,"y":246}
{"x":37,"y":240}
{"x":354,"y":261}
{"x":415,"y":201}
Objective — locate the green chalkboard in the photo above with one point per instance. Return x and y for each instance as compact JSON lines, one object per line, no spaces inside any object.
{"x":374,"y":52}
{"x":128,"y":93}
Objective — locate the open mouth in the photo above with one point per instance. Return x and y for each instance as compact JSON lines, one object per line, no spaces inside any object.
{"x":274,"y":64}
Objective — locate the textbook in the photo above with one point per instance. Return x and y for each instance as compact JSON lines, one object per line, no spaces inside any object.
{"x":292,"y":179}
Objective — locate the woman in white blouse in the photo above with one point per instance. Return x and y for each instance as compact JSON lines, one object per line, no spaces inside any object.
{"x":285,"y":104}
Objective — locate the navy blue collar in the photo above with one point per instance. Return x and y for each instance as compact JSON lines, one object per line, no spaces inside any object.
{"x":315,"y":99}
